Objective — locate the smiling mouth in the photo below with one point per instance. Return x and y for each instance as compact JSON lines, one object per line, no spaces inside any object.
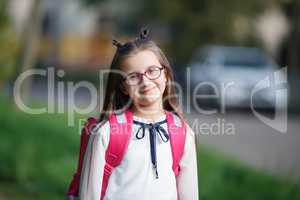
{"x":147,"y":90}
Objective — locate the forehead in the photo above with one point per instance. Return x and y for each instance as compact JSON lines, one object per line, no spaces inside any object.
{"x":140,"y":62}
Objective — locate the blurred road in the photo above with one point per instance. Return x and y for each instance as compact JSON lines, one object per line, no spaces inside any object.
{"x":254,"y":142}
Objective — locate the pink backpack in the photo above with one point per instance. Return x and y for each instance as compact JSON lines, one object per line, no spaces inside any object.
{"x":120,"y":133}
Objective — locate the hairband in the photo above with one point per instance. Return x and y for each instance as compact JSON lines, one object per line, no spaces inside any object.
{"x":143,"y":37}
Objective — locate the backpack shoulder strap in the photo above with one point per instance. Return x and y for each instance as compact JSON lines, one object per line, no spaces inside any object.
{"x":177,"y":132}
{"x":84,"y":138}
{"x":120,"y":133}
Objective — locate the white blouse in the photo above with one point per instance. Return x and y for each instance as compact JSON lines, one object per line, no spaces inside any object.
{"x":134,"y":178}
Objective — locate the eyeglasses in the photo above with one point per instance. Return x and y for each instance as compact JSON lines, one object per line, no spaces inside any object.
{"x":151,"y":73}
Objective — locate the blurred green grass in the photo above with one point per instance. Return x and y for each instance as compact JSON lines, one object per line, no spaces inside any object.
{"x":38,"y":155}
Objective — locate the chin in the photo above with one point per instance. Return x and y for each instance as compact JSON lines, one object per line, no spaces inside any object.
{"x":145,"y":101}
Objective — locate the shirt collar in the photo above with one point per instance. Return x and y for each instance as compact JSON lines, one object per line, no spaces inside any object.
{"x":148,"y":120}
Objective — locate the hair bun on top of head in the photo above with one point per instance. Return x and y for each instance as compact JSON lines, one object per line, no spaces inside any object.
{"x":117,"y":43}
{"x":144,"y":34}
{"x":143,"y":37}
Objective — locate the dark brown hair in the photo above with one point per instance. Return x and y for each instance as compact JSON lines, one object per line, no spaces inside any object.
{"x":114,"y":98}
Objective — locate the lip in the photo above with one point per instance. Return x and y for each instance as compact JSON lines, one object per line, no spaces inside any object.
{"x":147,"y":90}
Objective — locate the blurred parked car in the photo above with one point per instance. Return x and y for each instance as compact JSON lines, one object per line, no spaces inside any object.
{"x":237,"y":70}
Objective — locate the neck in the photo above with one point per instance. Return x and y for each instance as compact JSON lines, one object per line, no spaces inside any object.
{"x":150,"y":111}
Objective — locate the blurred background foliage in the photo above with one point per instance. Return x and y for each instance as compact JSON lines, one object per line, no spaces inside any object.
{"x":9,"y":45}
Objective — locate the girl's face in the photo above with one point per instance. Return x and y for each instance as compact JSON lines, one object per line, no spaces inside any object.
{"x":147,"y":91}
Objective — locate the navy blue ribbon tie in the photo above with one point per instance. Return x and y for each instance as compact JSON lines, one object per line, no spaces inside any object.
{"x":154,"y":128}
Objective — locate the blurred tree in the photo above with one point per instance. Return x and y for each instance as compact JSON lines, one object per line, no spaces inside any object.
{"x":292,"y":45}
{"x":92,"y":2}
{"x":29,"y":43}
{"x":9,"y":45}
{"x":193,"y":23}
{"x":290,"y":51}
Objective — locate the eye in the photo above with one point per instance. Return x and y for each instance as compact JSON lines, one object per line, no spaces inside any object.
{"x":153,"y":70}
{"x":133,"y":76}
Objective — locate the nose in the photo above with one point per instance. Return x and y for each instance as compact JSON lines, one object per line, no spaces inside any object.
{"x":145,"y":83}
{"x":144,"y":79}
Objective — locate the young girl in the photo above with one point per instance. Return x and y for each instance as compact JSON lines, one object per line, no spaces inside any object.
{"x":140,"y":83}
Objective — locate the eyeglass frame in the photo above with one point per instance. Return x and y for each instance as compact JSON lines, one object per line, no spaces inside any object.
{"x":144,"y":74}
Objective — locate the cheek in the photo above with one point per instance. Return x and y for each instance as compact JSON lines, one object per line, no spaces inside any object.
{"x":161,"y":83}
{"x":132,"y":91}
